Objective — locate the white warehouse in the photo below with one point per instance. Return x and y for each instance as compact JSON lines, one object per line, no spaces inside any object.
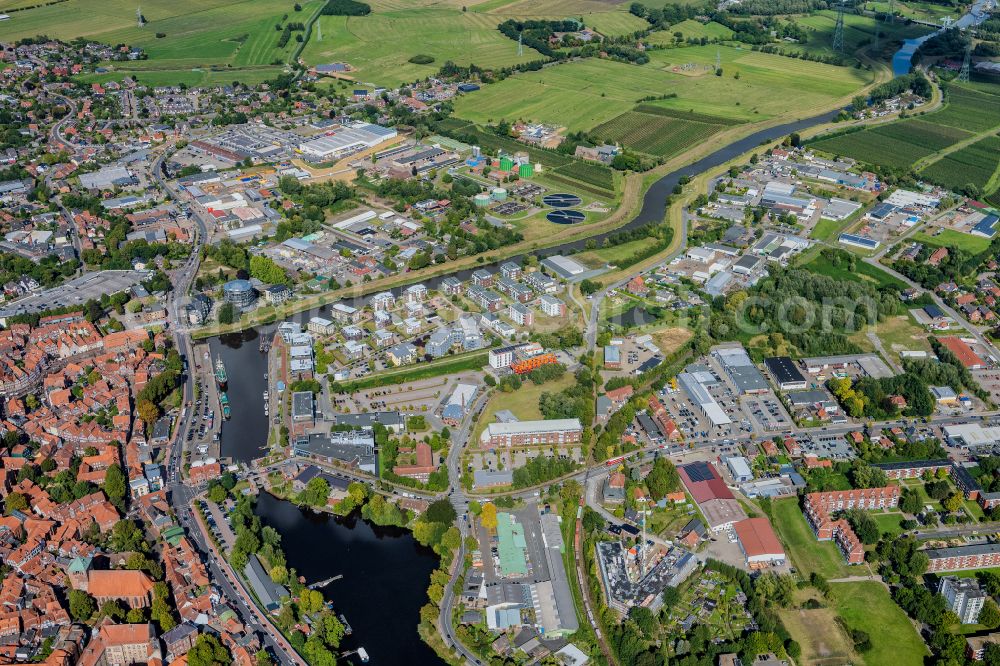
{"x":345,"y":141}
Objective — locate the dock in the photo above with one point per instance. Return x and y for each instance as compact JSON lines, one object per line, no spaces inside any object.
{"x":323,"y":583}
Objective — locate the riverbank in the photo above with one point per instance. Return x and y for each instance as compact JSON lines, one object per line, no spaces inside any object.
{"x":643,"y":201}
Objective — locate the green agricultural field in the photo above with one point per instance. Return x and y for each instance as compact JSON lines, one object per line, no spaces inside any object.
{"x":974,"y":164}
{"x":972,"y":109}
{"x":897,"y":144}
{"x":614,"y":23}
{"x":379,"y":46}
{"x":806,"y":552}
{"x":954,"y":239}
{"x":867,"y":606}
{"x":236,"y":34}
{"x":657,"y":135}
{"x":691,"y":29}
{"x":583,"y":94}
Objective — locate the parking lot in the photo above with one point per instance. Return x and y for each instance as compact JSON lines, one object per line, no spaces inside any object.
{"x":834,"y":447}
{"x":767,"y":411}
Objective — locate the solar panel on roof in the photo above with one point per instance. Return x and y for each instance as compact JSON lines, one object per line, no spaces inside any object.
{"x":699,"y":471}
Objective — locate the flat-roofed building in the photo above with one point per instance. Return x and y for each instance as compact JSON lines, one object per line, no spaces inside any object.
{"x":785,"y":374}
{"x":530,"y":433}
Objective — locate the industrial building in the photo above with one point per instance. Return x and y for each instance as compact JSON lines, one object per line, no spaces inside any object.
{"x":971,"y":435}
{"x":785,"y":374}
{"x":759,"y":543}
{"x":694,"y":385}
{"x":741,"y":370}
{"x":348,"y":140}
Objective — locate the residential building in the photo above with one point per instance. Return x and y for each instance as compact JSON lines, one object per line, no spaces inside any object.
{"x":531,"y":433}
{"x":964,"y":596}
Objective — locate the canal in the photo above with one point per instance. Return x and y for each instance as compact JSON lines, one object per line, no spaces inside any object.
{"x":385,"y":577}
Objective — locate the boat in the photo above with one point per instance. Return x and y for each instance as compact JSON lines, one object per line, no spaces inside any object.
{"x":347,"y":627}
{"x":224,"y":402}
{"x":221,"y":378}
{"x":265,"y":396}
{"x":363,"y":655}
{"x":265,"y":345}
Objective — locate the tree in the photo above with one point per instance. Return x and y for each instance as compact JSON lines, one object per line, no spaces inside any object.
{"x":127,"y":536}
{"x":662,"y":479}
{"x":208,"y":651}
{"x":441,"y":511}
{"x":953,"y":502}
{"x":148,"y":411}
{"x":81,"y":605}
{"x":910,"y":502}
{"x":115,"y":485}
{"x":16,"y":502}
{"x":489,"y":516}
{"x":217,"y":493}
{"x":227,"y":313}
{"x":989,"y":616}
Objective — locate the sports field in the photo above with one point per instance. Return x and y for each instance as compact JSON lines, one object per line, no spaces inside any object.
{"x":237,"y":35}
{"x":583,"y":94}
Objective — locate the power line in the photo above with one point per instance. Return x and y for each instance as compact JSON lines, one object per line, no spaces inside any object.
{"x":963,"y":74}
{"x":838,"y":33}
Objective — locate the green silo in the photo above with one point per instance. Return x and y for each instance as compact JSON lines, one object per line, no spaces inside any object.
{"x":506,"y":164}
{"x":525,"y":170}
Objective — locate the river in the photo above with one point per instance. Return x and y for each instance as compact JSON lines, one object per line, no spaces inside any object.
{"x":902,"y":60}
{"x":385,"y":577}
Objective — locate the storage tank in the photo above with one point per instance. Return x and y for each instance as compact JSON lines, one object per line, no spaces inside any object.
{"x":525,"y":170}
{"x":506,"y":164}
{"x":538,"y":167}
{"x":498,"y":194}
{"x":481,"y":200}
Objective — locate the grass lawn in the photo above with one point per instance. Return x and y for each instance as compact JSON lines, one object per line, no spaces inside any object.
{"x":522,"y":402}
{"x":858,"y":31}
{"x":867,"y":606}
{"x":954,"y":239}
{"x":422,"y":370}
{"x":888,"y":523}
{"x":826,"y":229}
{"x":806,"y":552}
{"x":583,"y":94}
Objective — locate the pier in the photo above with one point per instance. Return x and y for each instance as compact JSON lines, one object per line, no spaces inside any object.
{"x":324,"y":583}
